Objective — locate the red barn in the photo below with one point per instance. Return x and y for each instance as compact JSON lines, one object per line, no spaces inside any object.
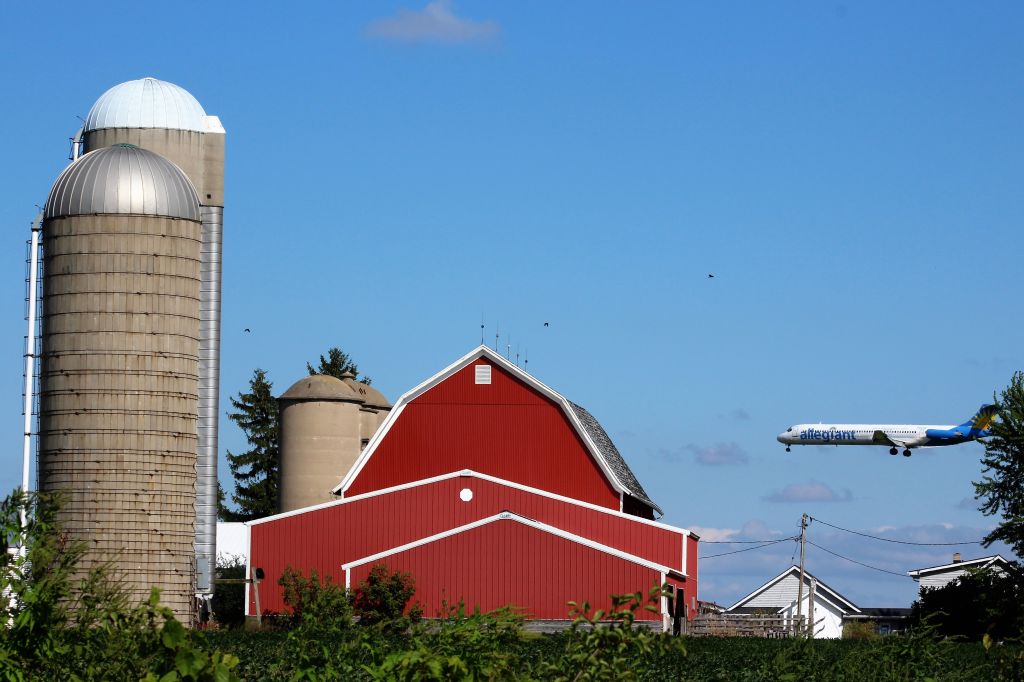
{"x":489,"y":487}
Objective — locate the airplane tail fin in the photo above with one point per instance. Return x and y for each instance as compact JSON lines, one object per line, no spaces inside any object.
{"x":983,"y":419}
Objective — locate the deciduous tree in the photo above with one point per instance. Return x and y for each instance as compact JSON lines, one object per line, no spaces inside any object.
{"x":1001,"y":489}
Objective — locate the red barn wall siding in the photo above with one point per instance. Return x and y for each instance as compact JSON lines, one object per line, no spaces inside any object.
{"x":684,"y":592}
{"x":692,"y":547}
{"x":507,"y":562}
{"x":324,"y":539}
{"x":505,"y":429}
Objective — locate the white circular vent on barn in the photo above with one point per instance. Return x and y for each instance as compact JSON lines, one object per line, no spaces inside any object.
{"x":466,"y":495}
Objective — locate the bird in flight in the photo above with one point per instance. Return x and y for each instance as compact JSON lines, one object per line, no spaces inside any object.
{"x":247,"y":330}
{"x":546,"y":324}
{"x":711,"y":275}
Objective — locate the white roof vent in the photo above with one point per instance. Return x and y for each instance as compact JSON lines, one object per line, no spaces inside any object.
{"x":483,"y":374}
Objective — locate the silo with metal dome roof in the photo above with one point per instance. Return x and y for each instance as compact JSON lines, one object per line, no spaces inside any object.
{"x":119,"y":376}
{"x":164,"y":118}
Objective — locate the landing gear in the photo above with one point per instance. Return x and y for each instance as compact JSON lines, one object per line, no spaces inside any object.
{"x":906,"y":453}
{"x":893,"y":451}
{"x":787,"y":448}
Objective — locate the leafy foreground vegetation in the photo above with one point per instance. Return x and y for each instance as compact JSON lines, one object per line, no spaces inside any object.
{"x":323,"y":642}
{"x":63,"y":624}
{"x":478,"y":647}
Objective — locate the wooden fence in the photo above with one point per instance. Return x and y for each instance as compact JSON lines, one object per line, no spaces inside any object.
{"x":741,"y":625}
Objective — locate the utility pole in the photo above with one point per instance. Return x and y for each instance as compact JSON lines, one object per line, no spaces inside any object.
{"x":810,"y":608}
{"x":800,"y":587}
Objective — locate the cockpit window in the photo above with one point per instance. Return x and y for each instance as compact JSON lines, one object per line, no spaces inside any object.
{"x":790,"y":428}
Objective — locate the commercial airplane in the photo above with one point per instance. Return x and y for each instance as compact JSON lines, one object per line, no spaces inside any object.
{"x":896,"y":436}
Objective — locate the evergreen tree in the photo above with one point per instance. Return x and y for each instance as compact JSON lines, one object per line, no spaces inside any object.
{"x":1002,"y":485}
{"x":255,"y":470}
{"x":336,"y":364}
{"x":224,"y":513}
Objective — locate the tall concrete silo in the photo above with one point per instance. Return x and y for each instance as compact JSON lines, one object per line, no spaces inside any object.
{"x":164,"y":118}
{"x":119,"y":376}
{"x":319,"y":439}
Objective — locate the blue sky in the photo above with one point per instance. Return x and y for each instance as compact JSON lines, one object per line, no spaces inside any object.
{"x":850,"y":173}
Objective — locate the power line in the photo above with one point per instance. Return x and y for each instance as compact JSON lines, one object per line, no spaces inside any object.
{"x":739,"y":542}
{"x":747,"y":549}
{"x":854,"y":561}
{"x":899,"y":542}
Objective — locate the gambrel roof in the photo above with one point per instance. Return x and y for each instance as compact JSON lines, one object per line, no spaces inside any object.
{"x":589,"y":430}
{"x":611,"y":455}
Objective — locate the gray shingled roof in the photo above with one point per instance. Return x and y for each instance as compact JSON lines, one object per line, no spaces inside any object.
{"x":610,"y":454}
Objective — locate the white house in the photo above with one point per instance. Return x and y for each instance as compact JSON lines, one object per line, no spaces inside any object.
{"x":820,"y":602}
{"x":940,"y":576}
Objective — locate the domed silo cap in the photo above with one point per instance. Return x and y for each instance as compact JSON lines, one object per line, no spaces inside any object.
{"x":371,"y":396}
{"x":123,"y":180}
{"x":320,"y":387}
{"x":146,"y":103}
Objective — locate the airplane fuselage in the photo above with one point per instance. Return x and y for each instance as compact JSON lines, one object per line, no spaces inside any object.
{"x":903,"y":435}
{"x":893,"y":436}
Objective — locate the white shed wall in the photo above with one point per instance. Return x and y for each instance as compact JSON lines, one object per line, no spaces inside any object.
{"x":945,"y":577}
{"x":232,"y":542}
{"x":828,"y":621}
{"x":782,"y":593}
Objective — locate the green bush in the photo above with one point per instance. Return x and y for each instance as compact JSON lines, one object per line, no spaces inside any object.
{"x":314,"y":603}
{"x":860,"y":629}
{"x":229,"y":598}
{"x":456,"y":646}
{"x":383,"y":599}
{"x":608,"y":645}
{"x":975,"y":604}
{"x":64,"y":623}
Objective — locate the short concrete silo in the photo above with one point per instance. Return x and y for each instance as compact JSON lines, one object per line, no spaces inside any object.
{"x":120,"y":364}
{"x":375,"y":407}
{"x":319,"y":439}
{"x":164,"y":118}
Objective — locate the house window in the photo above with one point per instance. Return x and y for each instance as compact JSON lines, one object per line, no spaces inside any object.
{"x":483,"y":374}
{"x":884,"y":628}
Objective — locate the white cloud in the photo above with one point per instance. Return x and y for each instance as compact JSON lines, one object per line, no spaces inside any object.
{"x":714,"y":534}
{"x":811,"y":491}
{"x":435,"y":23}
{"x":721,"y":454}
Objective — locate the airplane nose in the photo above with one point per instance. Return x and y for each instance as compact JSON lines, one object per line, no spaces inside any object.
{"x":780,"y":437}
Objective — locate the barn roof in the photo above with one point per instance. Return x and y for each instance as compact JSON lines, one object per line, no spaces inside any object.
{"x":611,"y":455}
{"x":590,"y":431}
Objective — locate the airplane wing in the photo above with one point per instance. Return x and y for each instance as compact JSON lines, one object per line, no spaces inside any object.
{"x":880,"y":438}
